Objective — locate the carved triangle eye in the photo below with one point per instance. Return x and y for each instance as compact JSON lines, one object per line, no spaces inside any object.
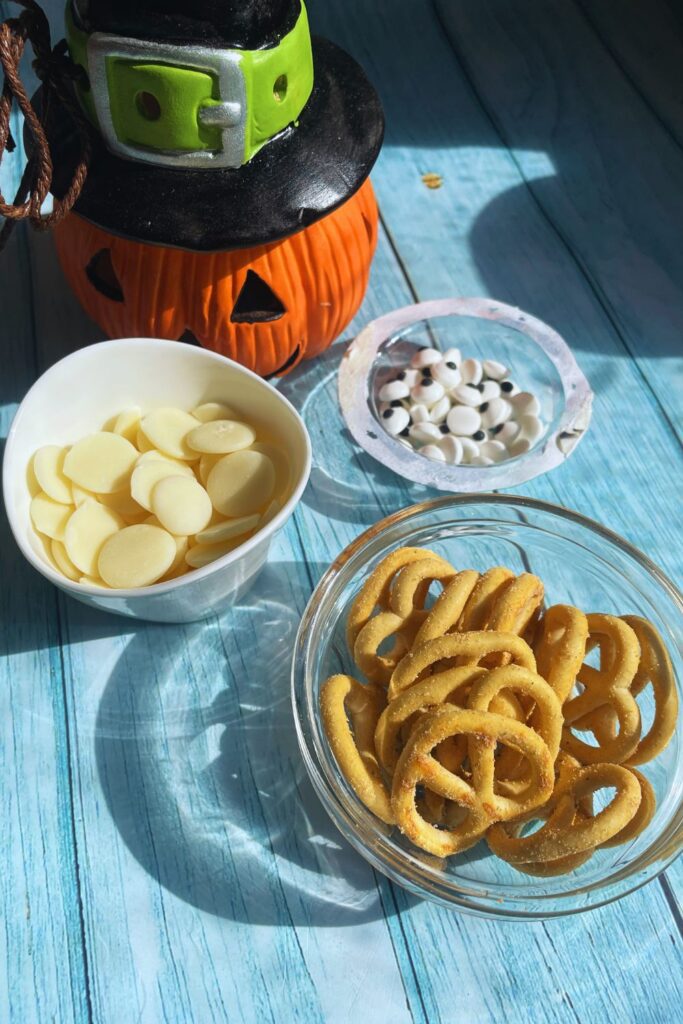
{"x":256,"y":303}
{"x":102,"y":276}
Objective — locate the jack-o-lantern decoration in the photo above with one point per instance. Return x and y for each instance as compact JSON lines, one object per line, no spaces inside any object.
{"x":226,"y":198}
{"x":267,"y":307}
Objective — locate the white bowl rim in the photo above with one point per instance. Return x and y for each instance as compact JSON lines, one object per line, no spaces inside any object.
{"x":197,"y":574}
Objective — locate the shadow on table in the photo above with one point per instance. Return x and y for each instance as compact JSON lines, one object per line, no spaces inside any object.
{"x":461,"y":75}
{"x":200,"y":770}
{"x":33,"y":622}
{"x":346,"y":483}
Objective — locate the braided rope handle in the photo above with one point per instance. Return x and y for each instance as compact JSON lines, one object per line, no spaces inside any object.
{"x":56,"y":71}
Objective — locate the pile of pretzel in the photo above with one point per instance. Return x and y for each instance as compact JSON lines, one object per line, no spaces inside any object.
{"x":467,"y":725}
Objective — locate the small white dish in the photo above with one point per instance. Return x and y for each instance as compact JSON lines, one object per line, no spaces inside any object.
{"x":540,"y":361}
{"x":78,"y":394}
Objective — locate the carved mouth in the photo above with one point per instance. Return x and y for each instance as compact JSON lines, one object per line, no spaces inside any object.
{"x":285,"y":366}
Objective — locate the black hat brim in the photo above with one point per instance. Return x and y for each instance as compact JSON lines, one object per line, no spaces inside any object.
{"x":290,"y":183}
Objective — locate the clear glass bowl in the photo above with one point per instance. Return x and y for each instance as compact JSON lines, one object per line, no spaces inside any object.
{"x":581,"y":563}
{"x":540,"y":361}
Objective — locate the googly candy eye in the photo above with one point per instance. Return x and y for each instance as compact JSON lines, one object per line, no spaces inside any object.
{"x":463,"y":420}
{"x":428,"y":392}
{"x":447,"y":374}
{"x":494,"y":450}
{"x":519,"y":447}
{"x":471,"y":371}
{"x":419,"y":413}
{"x":466,"y":394}
{"x":525,"y":404}
{"x":530,"y":428}
{"x":452,"y":449}
{"x":395,"y":420}
{"x":497,"y":411}
{"x":394,"y":389}
{"x":470,"y":448}
{"x":433,"y":452}
{"x":425,"y":433}
{"x":425,"y":357}
{"x":494,"y":369}
{"x":488,"y":389}
{"x":505,"y":432}
{"x":439,"y":411}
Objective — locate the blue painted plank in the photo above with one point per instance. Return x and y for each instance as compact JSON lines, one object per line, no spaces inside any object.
{"x":647,"y":46}
{"x":42,"y":971}
{"x":42,"y":958}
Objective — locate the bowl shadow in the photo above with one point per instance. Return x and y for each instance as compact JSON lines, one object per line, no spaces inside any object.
{"x":198,"y":760}
{"x":346,"y":484}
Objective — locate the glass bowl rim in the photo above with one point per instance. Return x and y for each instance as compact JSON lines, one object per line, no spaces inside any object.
{"x":346,"y":810}
{"x":556,"y":445}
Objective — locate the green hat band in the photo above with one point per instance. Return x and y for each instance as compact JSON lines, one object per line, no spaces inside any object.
{"x":191,"y":105}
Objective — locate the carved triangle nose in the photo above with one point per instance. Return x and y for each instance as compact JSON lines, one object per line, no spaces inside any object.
{"x":256,"y":303}
{"x":102,"y":276}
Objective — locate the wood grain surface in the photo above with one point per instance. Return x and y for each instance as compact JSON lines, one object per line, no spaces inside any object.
{"x":164,"y":857}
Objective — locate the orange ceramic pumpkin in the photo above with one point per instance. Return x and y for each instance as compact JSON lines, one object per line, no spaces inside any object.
{"x":267,"y":307}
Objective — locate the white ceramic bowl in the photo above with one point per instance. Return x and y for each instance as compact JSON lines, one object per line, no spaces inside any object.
{"x":78,"y":394}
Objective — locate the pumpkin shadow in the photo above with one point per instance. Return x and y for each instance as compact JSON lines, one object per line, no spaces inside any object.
{"x":199,"y":766}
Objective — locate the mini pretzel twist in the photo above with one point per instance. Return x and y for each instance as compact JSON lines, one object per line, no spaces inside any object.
{"x":561,"y":647}
{"x":417,"y":766}
{"x":483,"y":598}
{"x":376,"y":590}
{"x":412,"y":584}
{"x":467,"y":727}
{"x":641,"y":819}
{"x":565,"y":833}
{"x":431,"y":692}
{"x":516,"y":609}
{"x":564,"y":767}
{"x":355,"y":750}
{"x":608,"y":685}
{"x":655,"y":669}
{"x":448,"y":607}
{"x":378,"y":667}
{"x":602,"y":722}
{"x":473,"y":646}
{"x":482,"y":761}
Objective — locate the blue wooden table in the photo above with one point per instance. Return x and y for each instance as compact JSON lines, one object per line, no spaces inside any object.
{"x":163,"y":855}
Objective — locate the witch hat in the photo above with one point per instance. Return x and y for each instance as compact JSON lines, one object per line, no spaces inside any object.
{"x":215,"y":124}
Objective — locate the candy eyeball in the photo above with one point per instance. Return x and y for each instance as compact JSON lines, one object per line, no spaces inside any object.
{"x":440,"y":410}
{"x":467,"y":412}
{"x":471,"y":371}
{"x":425,"y":357}
{"x":494,"y":370}
{"x":447,"y":373}
{"x":433,"y":452}
{"x":467,"y":394}
{"x":428,"y":391}
{"x":488,"y":389}
{"x":395,"y":420}
{"x":394,"y":389}
{"x":463,"y":420}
